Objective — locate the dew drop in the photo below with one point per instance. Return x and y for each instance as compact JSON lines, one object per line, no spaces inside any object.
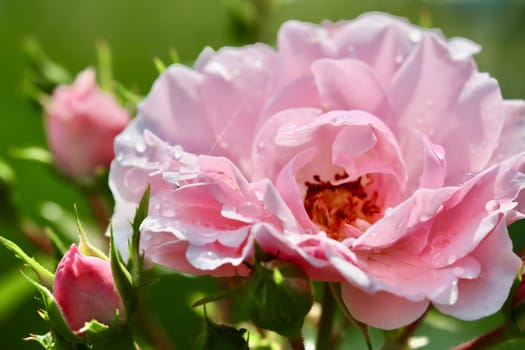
{"x":451,"y":259}
{"x":440,"y":242}
{"x":140,"y":147}
{"x":492,"y":205}
{"x":414,"y":36}
{"x":399,"y":58}
{"x":176,"y":152}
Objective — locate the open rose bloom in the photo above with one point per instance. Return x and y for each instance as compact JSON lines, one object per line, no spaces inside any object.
{"x":369,"y":152}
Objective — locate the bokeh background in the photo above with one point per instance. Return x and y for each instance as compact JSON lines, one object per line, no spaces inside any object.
{"x":137,"y":31}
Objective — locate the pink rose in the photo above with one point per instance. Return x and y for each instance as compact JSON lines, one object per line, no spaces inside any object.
{"x":369,"y":152}
{"x":81,"y":124}
{"x":85,"y":291}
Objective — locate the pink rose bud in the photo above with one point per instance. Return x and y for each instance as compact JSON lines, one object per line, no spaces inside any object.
{"x":85,"y":291}
{"x":81,"y":123}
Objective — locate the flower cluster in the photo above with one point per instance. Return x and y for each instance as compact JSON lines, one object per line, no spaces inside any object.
{"x":368,"y":152}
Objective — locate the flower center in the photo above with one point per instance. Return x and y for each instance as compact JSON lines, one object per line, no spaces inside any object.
{"x":333,"y":207}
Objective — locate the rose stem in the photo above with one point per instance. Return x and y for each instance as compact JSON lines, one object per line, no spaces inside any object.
{"x":324,"y":335}
{"x":398,"y":339}
{"x":296,"y":342}
{"x":485,"y":341}
{"x":153,"y":331}
{"x":99,"y":210}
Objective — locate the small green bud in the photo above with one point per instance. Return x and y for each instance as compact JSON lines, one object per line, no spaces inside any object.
{"x":279,"y":297}
{"x":221,"y":337}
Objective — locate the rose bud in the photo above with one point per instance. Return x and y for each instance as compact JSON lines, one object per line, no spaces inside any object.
{"x":279,"y":297}
{"x":81,"y":123}
{"x":84,"y":290}
{"x":219,"y":337}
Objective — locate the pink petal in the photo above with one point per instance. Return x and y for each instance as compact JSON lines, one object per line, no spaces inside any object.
{"x":175,"y":96}
{"x":470,"y":101}
{"x":349,"y":84}
{"x":381,"y":310}
{"x":434,"y":164}
{"x":486,"y":294}
{"x":512,"y":140}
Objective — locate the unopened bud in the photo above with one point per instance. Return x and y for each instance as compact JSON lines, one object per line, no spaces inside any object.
{"x":280,"y":296}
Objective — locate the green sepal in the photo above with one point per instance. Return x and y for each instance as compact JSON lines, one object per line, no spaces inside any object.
{"x":54,"y":315}
{"x":122,"y":277}
{"x":104,"y":70}
{"x":32,"y":153}
{"x":44,"y":74}
{"x":218,"y":296}
{"x":84,"y":246}
{"x":102,"y":336}
{"x":55,"y":241}
{"x":45,"y":276}
{"x":159,"y":65}
{"x":136,"y":258}
{"x":52,"y":341}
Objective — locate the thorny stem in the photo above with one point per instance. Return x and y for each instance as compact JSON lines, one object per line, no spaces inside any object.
{"x":328,"y":306}
{"x":297,"y":342}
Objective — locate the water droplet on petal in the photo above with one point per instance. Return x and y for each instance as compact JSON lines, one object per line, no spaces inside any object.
{"x":140,"y":147}
{"x":399,"y":58}
{"x":249,"y":209}
{"x":492,"y":205}
{"x":176,"y":152}
{"x":440,"y":242}
{"x":451,"y":259}
{"x":415,"y":36}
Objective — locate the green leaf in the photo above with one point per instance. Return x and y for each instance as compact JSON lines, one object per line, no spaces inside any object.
{"x":121,"y":276}
{"x":161,"y":66}
{"x":136,"y":258}
{"x":46,"y":277}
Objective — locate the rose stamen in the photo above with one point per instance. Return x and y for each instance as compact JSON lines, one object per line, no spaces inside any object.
{"x":332,"y":207}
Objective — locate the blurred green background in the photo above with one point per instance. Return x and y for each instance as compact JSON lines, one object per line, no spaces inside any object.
{"x":137,"y":31}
